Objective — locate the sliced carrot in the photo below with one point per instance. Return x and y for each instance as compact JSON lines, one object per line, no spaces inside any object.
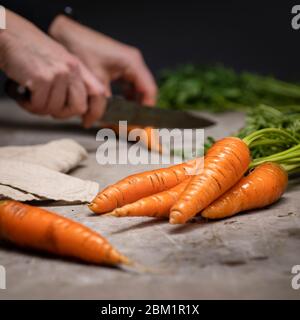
{"x":36,"y":228}
{"x":140,"y":185}
{"x":157,"y":205}
{"x":150,"y":140}
{"x":224,"y":164}
{"x":262,"y":187}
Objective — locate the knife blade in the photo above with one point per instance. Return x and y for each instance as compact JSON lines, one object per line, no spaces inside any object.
{"x":120,"y":109}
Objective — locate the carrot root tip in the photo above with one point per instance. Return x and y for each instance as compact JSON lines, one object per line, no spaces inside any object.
{"x":91,"y":205}
{"x":126,"y":261}
{"x":175,"y":217}
{"x":114,"y":213}
{"x":117,"y":258}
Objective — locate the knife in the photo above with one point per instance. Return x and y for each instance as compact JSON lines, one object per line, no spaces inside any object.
{"x":118,"y":109}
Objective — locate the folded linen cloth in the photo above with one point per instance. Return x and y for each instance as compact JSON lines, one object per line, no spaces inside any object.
{"x":7,"y":192}
{"x":34,"y":173}
{"x":59,"y":155}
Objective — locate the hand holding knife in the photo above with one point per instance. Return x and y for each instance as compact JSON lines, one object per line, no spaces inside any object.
{"x":118,"y":108}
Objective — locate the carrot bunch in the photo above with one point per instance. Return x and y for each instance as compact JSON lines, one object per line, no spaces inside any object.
{"x":138,"y":186}
{"x":223,"y":187}
{"x":229,"y":183}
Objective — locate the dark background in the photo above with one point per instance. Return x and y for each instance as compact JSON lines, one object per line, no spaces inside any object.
{"x":246,"y":35}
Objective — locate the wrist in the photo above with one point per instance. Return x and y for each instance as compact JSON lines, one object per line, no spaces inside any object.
{"x":56,"y":28}
{"x":60,"y":28}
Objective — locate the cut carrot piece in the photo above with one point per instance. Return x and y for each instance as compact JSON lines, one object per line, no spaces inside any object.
{"x":150,"y":140}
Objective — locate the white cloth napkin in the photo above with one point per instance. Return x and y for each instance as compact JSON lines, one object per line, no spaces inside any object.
{"x":35,"y":172}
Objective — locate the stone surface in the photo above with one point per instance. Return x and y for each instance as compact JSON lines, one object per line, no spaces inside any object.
{"x":246,"y":256}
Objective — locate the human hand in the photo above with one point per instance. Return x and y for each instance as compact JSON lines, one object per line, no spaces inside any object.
{"x":108,"y":59}
{"x":60,"y":85}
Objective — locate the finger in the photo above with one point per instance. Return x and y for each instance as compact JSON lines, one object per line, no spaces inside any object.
{"x":97,"y":93}
{"x":78,"y":97}
{"x":93,"y":85}
{"x":104,"y":77}
{"x":105,"y":80}
{"x":143,"y":82}
{"x":76,"y":102}
{"x":108,"y":92}
{"x":39,"y":94}
{"x":58,"y":95}
{"x":97,"y":105}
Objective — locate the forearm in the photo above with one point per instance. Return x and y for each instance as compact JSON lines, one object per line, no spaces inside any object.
{"x":5,"y":38}
{"x":60,"y":28}
{"x":2,"y":49}
{"x":66,"y":30}
{"x":16,"y":27}
{"x":41,"y":13}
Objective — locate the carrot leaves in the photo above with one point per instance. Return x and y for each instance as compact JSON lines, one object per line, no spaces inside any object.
{"x":217,"y":88}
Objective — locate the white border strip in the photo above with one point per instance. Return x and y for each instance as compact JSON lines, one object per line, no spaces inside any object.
{"x":2,"y":18}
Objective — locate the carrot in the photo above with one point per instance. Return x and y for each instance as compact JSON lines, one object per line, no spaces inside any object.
{"x":36,"y":228}
{"x":150,"y":141}
{"x":262,"y":187}
{"x":157,"y":205}
{"x":224,"y":164}
{"x":140,"y":185}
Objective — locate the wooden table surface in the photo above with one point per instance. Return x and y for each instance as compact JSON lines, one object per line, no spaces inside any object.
{"x":246,"y":256}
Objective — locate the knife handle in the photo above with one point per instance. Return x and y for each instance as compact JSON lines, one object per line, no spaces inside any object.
{"x":16,"y":91}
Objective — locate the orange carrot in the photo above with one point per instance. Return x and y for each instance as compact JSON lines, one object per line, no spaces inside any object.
{"x":157,"y":205}
{"x":150,"y":140}
{"x":140,"y":185}
{"x":224,"y":164}
{"x":36,"y":228}
{"x":263,"y":186}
